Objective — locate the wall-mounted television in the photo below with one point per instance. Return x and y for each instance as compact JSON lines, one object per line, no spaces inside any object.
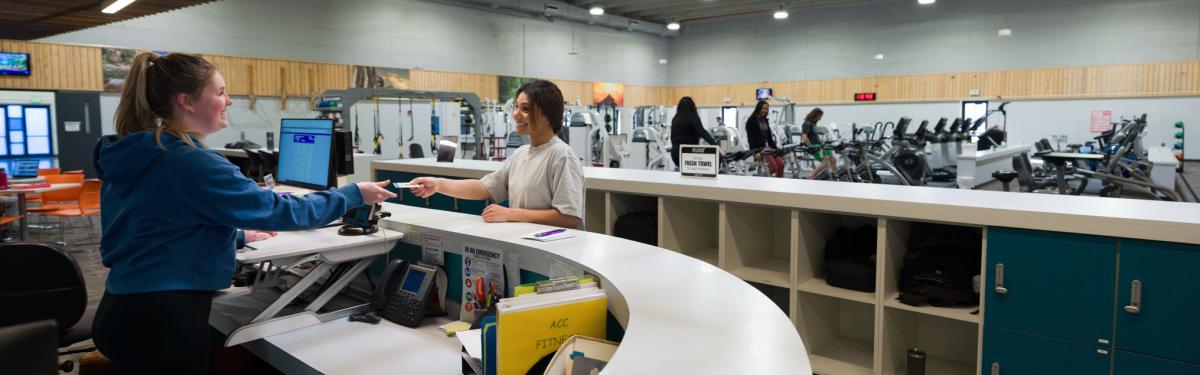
{"x":14,"y":64}
{"x":763,"y":93}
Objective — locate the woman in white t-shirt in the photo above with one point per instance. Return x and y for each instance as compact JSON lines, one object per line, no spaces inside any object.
{"x":542,"y":181}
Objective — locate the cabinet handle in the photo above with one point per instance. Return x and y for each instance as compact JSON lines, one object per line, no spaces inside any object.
{"x":456,"y":204}
{"x":995,"y":368}
{"x":1000,"y":289}
{"x":1135,"y":298}
{"x":426,"y":202}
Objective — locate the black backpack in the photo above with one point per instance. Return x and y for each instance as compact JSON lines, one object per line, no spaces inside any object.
{"x":850,"y":259}
{"x":940,"y":264}
{"x":638,"y":226}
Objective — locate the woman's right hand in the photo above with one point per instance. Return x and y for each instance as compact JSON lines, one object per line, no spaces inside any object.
{"x":375,"y":192}
{"x":428,"y":186}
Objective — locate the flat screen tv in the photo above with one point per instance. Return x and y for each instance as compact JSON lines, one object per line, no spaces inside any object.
{"x":14,"y":64}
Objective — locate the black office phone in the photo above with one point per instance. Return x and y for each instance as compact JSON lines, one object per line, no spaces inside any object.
{"x":404,"y":293}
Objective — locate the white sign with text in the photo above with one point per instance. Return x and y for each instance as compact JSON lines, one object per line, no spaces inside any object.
{"x":698,"y":161}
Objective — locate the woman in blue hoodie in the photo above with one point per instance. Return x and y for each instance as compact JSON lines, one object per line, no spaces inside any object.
{"x":170,"y":213}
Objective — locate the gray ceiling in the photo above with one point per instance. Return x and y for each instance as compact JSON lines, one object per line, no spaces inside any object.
{"x":663,"y":11}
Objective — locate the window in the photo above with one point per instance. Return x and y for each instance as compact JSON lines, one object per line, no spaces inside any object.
{"x":26,"y":131}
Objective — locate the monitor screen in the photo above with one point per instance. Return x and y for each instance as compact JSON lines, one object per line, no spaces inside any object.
{"x":14,"y":63}
{"x":305,"y":152}
{"x":412,"y":282}
{"x":25,"y":168}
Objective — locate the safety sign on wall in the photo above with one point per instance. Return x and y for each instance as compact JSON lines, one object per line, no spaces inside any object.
{"x":1101,"y":121}
{"x":698,"y":161}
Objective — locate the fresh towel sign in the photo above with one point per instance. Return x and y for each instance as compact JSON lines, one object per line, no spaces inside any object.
{"x":698,"y":161}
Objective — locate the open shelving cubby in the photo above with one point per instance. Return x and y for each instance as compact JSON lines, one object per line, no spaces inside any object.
{"x":814,"y":230}
{"x":896,"y":235}
{"x":620,"y":204}
{"x":757,"y":243}
{"x":839,"y":334}
{"x":949,"y":344}
{"x":690,"y":227}
{"x":594,"y":203}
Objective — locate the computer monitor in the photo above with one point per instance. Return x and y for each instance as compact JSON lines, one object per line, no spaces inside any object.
{"x":306,"y":153}
{"x":25,"y":168}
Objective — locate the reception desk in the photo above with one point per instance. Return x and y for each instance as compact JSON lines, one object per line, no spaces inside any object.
{"x":772,"y":233}
{"x":677,"y":314}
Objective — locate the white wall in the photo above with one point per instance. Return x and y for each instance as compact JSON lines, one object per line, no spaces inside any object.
{"x":948,"y":36}
{"x":393,"y":33}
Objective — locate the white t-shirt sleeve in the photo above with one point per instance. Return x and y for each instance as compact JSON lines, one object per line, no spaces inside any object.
{"x":567,"y":189}
{"x":496,"y":183}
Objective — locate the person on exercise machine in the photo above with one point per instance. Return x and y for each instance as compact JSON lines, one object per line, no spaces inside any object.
{"x":811,"y":139}
{"x":760,"y":136}
{"x":542,"y":182}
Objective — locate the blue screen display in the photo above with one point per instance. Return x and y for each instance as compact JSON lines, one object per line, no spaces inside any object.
{"x":412,"y":283}
{"x":305,"y":149}
{"x":14,"y":63}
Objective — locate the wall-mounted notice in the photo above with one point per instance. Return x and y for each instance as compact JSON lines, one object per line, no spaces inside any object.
{"x":1101,"y":121}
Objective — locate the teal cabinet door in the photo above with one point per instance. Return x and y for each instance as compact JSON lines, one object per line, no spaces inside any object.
{"x":1160,"y":318}
{"x":1008,"y":352}
{"x":1125,"y":363}
{"x":1054,"y":284}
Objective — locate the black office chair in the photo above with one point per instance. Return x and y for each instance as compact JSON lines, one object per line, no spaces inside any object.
{"x":41,"y":282}
{"x":270,"y":162}
{"x":257,"y":164}
{"x":29,"y":348}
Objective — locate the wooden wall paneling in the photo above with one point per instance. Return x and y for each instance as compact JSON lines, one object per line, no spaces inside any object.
{"x":483,"y":85}
{"x":55,"y":66}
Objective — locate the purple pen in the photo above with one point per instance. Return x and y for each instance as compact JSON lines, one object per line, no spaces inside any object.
{"x":550,"y":233}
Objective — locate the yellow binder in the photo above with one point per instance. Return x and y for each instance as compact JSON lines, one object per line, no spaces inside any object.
{"x":532,"y":326}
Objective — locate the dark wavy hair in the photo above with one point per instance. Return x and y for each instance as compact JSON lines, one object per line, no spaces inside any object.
{"x":758,"y":108}
{"x":814,"y":115}
{"x":685,"y":112}
{"x":548,"y":99}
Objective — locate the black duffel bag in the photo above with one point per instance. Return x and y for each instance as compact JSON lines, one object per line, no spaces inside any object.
{"x":638,"y":226}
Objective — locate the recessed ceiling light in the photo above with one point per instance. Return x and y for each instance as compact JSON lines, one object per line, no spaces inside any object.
{"x":926,"y":2}
{"x":596,"y":11}
{"x":116,"y":6}
{"x":673,"y":26}
{"x":1005,"y":32}
{"x":781,"y":14}
{"x":879,"y":56}
{"x":662,"y":61}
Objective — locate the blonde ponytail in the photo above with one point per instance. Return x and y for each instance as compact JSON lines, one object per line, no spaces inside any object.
{"x":153,"y":82}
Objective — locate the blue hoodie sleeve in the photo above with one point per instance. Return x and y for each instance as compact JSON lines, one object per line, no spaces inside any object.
{"x":240,"y":240}
{"x":219,"y":194}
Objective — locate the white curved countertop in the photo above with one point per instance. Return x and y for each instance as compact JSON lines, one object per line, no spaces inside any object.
{"x":681,"y":315}
{"x":1125,"y":218}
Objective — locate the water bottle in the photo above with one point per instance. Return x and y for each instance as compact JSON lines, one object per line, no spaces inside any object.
{"x":916,"y":362}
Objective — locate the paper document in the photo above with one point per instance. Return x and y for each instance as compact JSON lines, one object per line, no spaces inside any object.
{"x":550,"y":235}
{"x":472,"y":341}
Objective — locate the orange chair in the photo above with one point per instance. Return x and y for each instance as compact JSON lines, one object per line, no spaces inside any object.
{"x":89,"y":205}
{"x":59,"y":199}
{"x":49,"y":171}
{"x":9,"y":219}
